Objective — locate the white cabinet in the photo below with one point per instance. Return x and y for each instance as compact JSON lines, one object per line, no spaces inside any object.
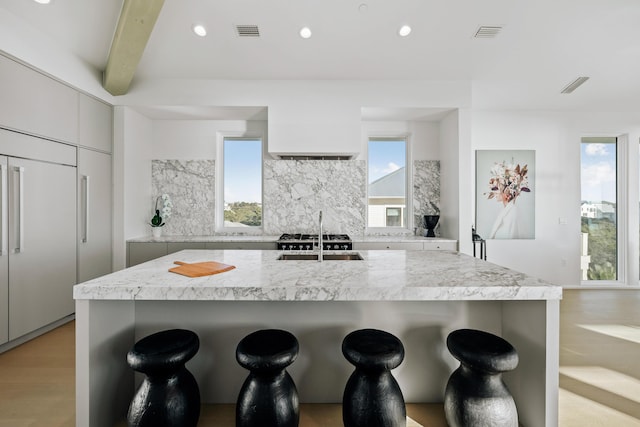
{"x":362,"y":246}
{"x":34,"y":103}
{"x":38,"y":240}
{"x":95,"y":126}
{"x":94,"y":214}
{"x":440,"y":246}
{"x":427,"y":245}
{"x":4,"y":251}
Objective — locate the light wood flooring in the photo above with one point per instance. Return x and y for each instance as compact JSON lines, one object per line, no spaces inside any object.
{"x":599,"y":373}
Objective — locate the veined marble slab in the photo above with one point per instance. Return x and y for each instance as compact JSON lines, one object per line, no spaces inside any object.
{"x":204,"y":239}
{"x":399,"y":238}
{"x":381,"y":276}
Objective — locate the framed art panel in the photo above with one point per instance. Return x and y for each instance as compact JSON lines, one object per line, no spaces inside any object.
{"x":505,"y":194}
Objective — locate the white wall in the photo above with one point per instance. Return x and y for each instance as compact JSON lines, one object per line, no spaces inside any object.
{"x":424,"y":137}
{"x":554,"y":253}
{"x":33,"y":47}
{"x":132,"y":154}
{"x":196,"y":139}
{"x":305,"y":116}
{"x":452,"y":177}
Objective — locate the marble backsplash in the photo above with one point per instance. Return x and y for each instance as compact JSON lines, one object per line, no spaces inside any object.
{"x":294,"y":191}
{"x":191,"y":186}
{"x":426,"y":190}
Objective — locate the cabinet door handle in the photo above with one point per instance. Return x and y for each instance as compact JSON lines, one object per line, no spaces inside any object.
{"x":20,"y":246}
{"x":85,"y":237}
{"x":4,"y":237}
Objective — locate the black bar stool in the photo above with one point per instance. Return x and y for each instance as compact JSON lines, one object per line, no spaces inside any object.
{"x":169,"y":394}
{"x":268,"y":397}
{"x":475,"y":394}
{"x":372,"y":396}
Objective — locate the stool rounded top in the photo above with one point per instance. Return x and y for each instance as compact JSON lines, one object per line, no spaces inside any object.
{"x":164,"y":350}
{"x":372,"y":348}
{"x":482,"y":350}
{"x":267,"y":350}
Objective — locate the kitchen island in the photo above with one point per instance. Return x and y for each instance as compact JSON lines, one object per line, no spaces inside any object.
{"x":419,"y":296}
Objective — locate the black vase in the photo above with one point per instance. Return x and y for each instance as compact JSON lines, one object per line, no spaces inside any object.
{"x":430,"y":222}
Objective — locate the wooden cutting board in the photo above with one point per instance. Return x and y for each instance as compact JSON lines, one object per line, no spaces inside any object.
{"x":199,"y":269}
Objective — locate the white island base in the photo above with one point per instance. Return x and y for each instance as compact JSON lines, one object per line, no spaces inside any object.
{"x":107,"y":328}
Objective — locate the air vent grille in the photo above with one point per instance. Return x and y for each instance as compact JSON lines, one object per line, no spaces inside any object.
{"x":574,"y":85}
{"x":248,"y":30}
{"x":487,"y":32}
{"x":315,"y":157}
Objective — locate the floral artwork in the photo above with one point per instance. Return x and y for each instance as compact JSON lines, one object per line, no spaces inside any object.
{"x":505,"y":205}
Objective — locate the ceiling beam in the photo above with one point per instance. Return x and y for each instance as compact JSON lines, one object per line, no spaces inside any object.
{"x":132,"y":34}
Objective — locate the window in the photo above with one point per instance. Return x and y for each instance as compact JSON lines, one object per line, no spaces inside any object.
{"x":599,"y":209}
{"x":394,"y":217}
{"x":242,"y":182}
{"x":387,"y":200}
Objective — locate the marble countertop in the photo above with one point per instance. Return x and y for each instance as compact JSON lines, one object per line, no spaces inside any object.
{"x":267,"y":239}
{"x":382,"y":276}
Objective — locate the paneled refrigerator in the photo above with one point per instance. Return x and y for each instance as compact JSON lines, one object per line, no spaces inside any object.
{"x":37,"y":243}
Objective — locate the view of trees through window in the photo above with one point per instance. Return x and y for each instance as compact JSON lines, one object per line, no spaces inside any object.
{"x":242,"y":179}
{"x":598,"y":209}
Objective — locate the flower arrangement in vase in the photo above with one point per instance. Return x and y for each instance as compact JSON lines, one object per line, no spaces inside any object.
{"x":157,"y":221}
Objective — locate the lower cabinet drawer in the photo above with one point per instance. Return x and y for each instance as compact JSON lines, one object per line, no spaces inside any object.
{"x":440,"y":246}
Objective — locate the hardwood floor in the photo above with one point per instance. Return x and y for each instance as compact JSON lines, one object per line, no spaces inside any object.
{"x":599,"y":353}
{"x":599,"y":373}
{"x":37,"y":381}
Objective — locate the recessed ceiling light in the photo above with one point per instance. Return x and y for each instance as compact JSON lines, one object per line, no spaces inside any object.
{"x":305,"y":32}
{"x":404,"y":31}
{"x":43,"y":1}
{"x":199,"y":30}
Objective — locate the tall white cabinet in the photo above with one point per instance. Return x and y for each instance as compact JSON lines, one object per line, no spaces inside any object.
{"x":38,"y":231}
{"x":95,"y":190}
{"x":94,"y":214}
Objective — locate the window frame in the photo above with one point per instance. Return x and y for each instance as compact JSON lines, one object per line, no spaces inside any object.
{"x":622,"y":238}
{"x":408,"y":208}
{"x":219,"y":185}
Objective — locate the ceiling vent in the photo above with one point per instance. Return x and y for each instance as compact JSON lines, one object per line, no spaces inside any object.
{"x":487,"y":32}
{"x":248,"y":30}
{"x":574,"y":85}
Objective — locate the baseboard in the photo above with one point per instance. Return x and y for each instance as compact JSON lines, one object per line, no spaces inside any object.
{"x":31,"y":335}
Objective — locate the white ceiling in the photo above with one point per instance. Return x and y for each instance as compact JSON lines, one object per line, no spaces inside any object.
{"x":544,"y":44}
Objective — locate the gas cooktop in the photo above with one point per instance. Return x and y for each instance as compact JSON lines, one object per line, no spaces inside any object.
{"x":308,"y":242}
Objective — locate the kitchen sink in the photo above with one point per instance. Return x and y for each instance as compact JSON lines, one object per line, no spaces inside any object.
{"x":350,"y":256}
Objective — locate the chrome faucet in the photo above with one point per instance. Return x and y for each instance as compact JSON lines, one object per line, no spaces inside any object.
{"x":320,"y":238}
